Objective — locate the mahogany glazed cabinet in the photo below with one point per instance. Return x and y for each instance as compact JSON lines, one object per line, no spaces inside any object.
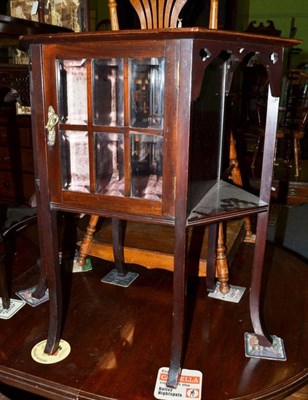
{"x":131,"y":125}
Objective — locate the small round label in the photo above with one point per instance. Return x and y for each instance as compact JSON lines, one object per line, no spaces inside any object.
{"x":39,"y":356}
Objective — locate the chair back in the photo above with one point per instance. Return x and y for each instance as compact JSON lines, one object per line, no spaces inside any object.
{"x":156,"y":14}
{"x":295,"y":100}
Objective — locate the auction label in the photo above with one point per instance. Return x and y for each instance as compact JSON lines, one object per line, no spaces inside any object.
{"x":189,"y":386}
{"x":39,"y":356}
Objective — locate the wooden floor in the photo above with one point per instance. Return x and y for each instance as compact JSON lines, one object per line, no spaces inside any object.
{"x":120,"y":337}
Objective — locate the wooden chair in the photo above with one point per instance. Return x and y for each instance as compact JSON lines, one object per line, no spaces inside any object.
{"x":263,"y":29}
{"x":292,"y":118}
{"x":160,"y":16}
{"x":295,"y":113}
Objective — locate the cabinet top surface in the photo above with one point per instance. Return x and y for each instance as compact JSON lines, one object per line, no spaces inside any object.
{"x":160,"y":34}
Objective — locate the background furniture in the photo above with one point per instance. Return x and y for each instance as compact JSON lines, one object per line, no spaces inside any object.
{"x":292,"y":121}
{"x":71,"y":14}
{"x":294,"y":117}
{"x":16,"y":154}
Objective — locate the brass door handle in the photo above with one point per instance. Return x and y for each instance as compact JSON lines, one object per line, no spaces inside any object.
{"x":53,"y":119}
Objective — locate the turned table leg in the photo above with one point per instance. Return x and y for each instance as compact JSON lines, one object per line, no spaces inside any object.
{"x":222,"y":261}
{"x":87,"y":240}
{"x":217,"y":261}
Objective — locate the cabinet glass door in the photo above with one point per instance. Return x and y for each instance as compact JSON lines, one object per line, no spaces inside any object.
{"x":111,"y":115}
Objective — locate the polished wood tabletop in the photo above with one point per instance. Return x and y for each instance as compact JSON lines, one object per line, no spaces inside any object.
{"x":120,"y":337}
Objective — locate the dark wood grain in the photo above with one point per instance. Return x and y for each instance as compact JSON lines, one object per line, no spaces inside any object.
{"x":172,"y":33}
{"x":120,"y":336}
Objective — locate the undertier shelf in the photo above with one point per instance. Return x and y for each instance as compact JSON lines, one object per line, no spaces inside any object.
{"x":152,"y":246}
{"x":224,"y":201}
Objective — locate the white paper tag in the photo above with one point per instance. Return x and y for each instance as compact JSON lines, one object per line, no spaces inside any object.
{"x":189,"y":386}
{"x":34,"y":7}
{"x":15,"y":305}
{"x":38,"y":355}
{"x":26,"y":295}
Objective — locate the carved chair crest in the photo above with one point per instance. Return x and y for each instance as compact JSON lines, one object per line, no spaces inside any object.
{"x":155,"y":14}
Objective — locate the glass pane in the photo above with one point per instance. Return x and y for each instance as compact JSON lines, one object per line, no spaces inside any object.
{"x":147,"y":92}
{"x":146,"y":166}
{"x":108,"y":91}
{"x":75,"y":161}
{"x":72,"y":91}
{"x":109,"y":163}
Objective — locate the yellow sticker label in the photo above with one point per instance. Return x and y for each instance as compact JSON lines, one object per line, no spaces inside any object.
{"x":39,"y":356}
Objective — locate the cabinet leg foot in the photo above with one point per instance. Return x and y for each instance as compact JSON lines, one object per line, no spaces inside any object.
{"x":42,"y":283}
{"x":52,"y":346}
{"x":264,"y":338}
{"x":87,"y":240}
{"x":254,"y":348}
{"x":173,"y":376}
